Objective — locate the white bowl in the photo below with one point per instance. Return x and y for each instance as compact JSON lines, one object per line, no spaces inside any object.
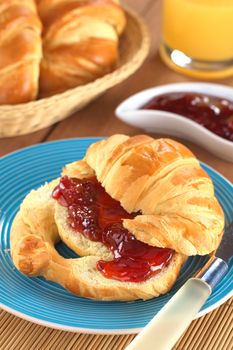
{"x":173,"y":124}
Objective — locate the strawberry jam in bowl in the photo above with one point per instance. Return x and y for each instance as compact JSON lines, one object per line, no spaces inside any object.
{"x":198,"y":112}
{"x":214,"y":113}
{"x":97,"y":216}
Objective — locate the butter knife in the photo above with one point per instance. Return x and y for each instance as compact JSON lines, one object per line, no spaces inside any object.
{"x":165,"y":329}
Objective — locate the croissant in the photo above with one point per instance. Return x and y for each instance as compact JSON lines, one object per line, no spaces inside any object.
{"x":20,"y":51}
{"x":80,"y":41}
{"x":172,"y":205}
{"x":165,"y":182}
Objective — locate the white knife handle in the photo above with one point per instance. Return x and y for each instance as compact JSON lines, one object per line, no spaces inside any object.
{"x":164,"y":330}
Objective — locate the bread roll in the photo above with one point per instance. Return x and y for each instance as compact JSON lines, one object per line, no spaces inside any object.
{"x":20,"y":51}
{"x":80,"y":41}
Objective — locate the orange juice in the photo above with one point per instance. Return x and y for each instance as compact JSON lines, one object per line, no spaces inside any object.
{"x":198,"y":36}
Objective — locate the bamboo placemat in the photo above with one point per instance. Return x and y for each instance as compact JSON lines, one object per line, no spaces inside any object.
{"x":211,"y":332}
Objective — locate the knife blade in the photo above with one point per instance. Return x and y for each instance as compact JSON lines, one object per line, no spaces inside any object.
{"x":225,"y":249}
{"x":164,"y":330}
{"x":216,"y":267}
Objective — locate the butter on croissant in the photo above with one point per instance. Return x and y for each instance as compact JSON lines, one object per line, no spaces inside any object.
{"x":80,"y":41}
{"x":162,"y":179}
{"x":20,"y":51}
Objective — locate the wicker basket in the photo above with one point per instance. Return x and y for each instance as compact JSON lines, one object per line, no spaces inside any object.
{"x":28,"y":117}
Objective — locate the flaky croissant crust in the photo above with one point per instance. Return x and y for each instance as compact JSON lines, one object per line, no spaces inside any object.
{"x":162,"y":179}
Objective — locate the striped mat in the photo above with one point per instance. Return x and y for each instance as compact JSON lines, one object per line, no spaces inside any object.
{"x":211,"y":332}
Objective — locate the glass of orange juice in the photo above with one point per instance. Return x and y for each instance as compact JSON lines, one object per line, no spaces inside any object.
{"x":197,"y":37}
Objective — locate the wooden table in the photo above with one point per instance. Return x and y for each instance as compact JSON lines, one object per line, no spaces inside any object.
{"x":211,"y":332}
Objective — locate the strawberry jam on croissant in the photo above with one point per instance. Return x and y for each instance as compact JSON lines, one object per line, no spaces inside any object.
{"x":92,"y":212}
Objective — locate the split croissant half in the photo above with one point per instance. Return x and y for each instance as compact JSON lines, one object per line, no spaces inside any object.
{"x":161,"y":179}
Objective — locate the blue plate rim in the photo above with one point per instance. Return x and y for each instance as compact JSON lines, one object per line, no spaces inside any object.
{"x":94,"y":330}
{"x":52,"y":141}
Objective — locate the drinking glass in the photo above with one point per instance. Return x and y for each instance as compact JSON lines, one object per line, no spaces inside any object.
{"x":197,"y":37}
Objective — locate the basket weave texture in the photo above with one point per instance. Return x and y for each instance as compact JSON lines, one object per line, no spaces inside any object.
{"x":28,"y":117}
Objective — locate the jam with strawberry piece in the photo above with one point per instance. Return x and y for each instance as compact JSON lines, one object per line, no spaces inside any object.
{"x":93,"y":213}
{"x":214,"y":113}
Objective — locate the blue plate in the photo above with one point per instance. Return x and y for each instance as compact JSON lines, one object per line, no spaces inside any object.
{"x":47,"y":303}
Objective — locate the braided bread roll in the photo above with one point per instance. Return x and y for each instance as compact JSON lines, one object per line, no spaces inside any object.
{"x":162,"y":179}
{"x":80,"y":41}
{"x":20,"y":51}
